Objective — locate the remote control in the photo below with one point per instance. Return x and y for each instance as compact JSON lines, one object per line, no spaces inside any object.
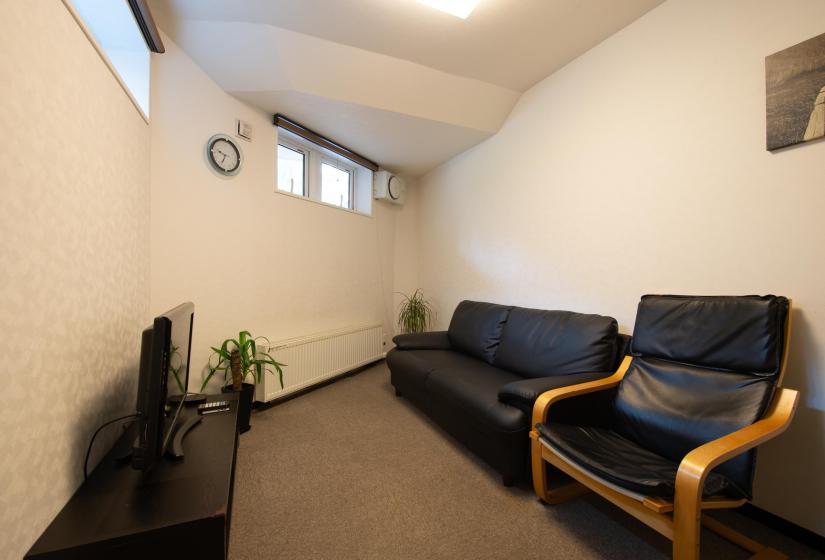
{"x":214,"y":406}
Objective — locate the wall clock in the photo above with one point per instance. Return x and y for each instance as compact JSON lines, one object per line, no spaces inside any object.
{"x":224,"y":155}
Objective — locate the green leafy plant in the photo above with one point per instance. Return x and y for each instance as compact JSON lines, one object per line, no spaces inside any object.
{"x":415,"y":313}
{"x":241,"y":357}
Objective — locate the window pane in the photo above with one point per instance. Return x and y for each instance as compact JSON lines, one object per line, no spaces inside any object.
{"x":117,"y":33}
{"x":335,"y":185}
{"x":291,"y":170}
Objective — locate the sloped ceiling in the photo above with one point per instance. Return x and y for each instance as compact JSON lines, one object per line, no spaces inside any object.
{"x":397,"y":81}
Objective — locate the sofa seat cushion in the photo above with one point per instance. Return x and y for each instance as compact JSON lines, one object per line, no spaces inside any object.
{"x":416,"y":365}
{"x":472,"y":387}
{"x":539,"y":343}
{"x":622,"y":462}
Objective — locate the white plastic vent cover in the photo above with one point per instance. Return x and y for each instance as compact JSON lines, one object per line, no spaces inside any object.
{"x":388,"y":187}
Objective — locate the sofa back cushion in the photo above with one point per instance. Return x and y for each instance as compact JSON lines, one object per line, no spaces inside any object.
{"x":538,"y":343}
{"x":475,"y":328}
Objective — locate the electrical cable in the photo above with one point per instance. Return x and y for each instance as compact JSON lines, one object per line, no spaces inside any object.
{"x":387,"y":314}
{"x":91,"y":442}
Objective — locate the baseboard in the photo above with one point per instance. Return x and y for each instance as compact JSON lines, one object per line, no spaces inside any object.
{"x":781,"y":525}
{"x":257,"y":405}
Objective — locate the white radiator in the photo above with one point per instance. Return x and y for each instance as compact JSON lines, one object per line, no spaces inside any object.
{"x":314,"y":358}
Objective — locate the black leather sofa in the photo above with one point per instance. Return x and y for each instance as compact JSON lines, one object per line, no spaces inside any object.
{"x":480,"y":378}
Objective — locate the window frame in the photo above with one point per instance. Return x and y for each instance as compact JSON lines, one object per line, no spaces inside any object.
{"x":350,"y":171}
{"x":314,"y":157}
{"x":295,"y":147}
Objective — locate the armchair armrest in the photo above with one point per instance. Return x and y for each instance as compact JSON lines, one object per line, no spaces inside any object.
{"x":522,"y":394}
{"x":436,"y":340}
{"x":694,"y":468}
{"x":546,"y":400}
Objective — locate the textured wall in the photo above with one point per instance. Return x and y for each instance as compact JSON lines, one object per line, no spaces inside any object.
{"x":641,"y":167}
{"x":247,"y":256}
{"x":74,"y":248}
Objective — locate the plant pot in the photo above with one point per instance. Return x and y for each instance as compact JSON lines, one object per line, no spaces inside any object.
{"x":247,"y":394}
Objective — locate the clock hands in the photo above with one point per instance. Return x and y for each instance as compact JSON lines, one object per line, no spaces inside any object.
{"x":220,"y":152}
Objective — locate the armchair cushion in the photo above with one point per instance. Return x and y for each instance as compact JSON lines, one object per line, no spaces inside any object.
{"x":538,"y":343}
{"x":436,"y":340}
{"x":622,"y":462}
{"x":523,"y":393}
{"x":475,"y":328}
{"x":672,"y":408}
{"x":733,"y":333}
{"x":703,"y":367}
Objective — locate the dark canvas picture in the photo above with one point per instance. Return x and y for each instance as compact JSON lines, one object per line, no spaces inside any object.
{"x":795,"y":83}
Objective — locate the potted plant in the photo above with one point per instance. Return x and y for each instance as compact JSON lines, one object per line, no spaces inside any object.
{"x":415,"y":313}
{"x":239,"y":358}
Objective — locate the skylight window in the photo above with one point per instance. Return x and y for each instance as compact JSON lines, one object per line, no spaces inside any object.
{"x":458,"y":8}
{"x":120,"y":38}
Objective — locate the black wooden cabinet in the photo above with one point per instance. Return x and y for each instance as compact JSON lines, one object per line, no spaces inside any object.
{"x":178,"y":509}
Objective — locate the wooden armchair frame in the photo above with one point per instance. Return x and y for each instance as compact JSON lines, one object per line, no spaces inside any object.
{"x":680,"y":520}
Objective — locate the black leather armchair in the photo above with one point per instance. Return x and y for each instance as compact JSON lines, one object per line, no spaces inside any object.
{"x":701,"y":389}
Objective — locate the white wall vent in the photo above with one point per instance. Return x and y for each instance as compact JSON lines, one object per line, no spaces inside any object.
{"x":389,"y":187}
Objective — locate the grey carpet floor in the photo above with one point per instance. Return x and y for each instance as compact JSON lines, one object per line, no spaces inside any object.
{"x":349,"y":471}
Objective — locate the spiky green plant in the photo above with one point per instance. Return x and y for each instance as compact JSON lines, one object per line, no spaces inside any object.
{"x":248,"y":360}
{"x":415,"y":313}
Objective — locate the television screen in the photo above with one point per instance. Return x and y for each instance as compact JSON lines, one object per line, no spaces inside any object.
{"x":164,"y":372}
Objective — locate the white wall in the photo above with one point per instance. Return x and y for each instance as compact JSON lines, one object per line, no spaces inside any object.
{"x":74,"y":248}
{"x":248,"y":257}
{"x":641,"y":168}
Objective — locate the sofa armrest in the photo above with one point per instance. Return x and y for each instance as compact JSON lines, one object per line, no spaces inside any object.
{"x":436,"y":340}
{"x":523,"y":394}
{"x":549,"y":398}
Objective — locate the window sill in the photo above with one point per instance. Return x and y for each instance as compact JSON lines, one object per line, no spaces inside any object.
{"x":326,"y":204}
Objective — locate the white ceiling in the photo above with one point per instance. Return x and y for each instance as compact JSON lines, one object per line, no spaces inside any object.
{"x":510,"y":43}
{"x":398,"y":81}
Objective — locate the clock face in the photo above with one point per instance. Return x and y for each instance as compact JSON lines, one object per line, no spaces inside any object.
{"x":224,"y":155}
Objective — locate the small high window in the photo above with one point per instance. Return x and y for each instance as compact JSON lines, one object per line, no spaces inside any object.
{"x":336,"y":185}
{"x":292,"y":165}
{"x":121,"y":42}
{"x":314,"y":172}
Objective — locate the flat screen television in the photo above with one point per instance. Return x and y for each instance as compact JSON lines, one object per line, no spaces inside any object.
{"x":164,"y":371}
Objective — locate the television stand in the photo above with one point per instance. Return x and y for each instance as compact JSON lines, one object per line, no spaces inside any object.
{"x":176,"y":509}
{"x":175,"y":448}
{"x":188,"y":399}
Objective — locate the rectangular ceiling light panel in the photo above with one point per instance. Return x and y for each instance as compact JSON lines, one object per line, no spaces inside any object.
{"x":458,"y":8}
